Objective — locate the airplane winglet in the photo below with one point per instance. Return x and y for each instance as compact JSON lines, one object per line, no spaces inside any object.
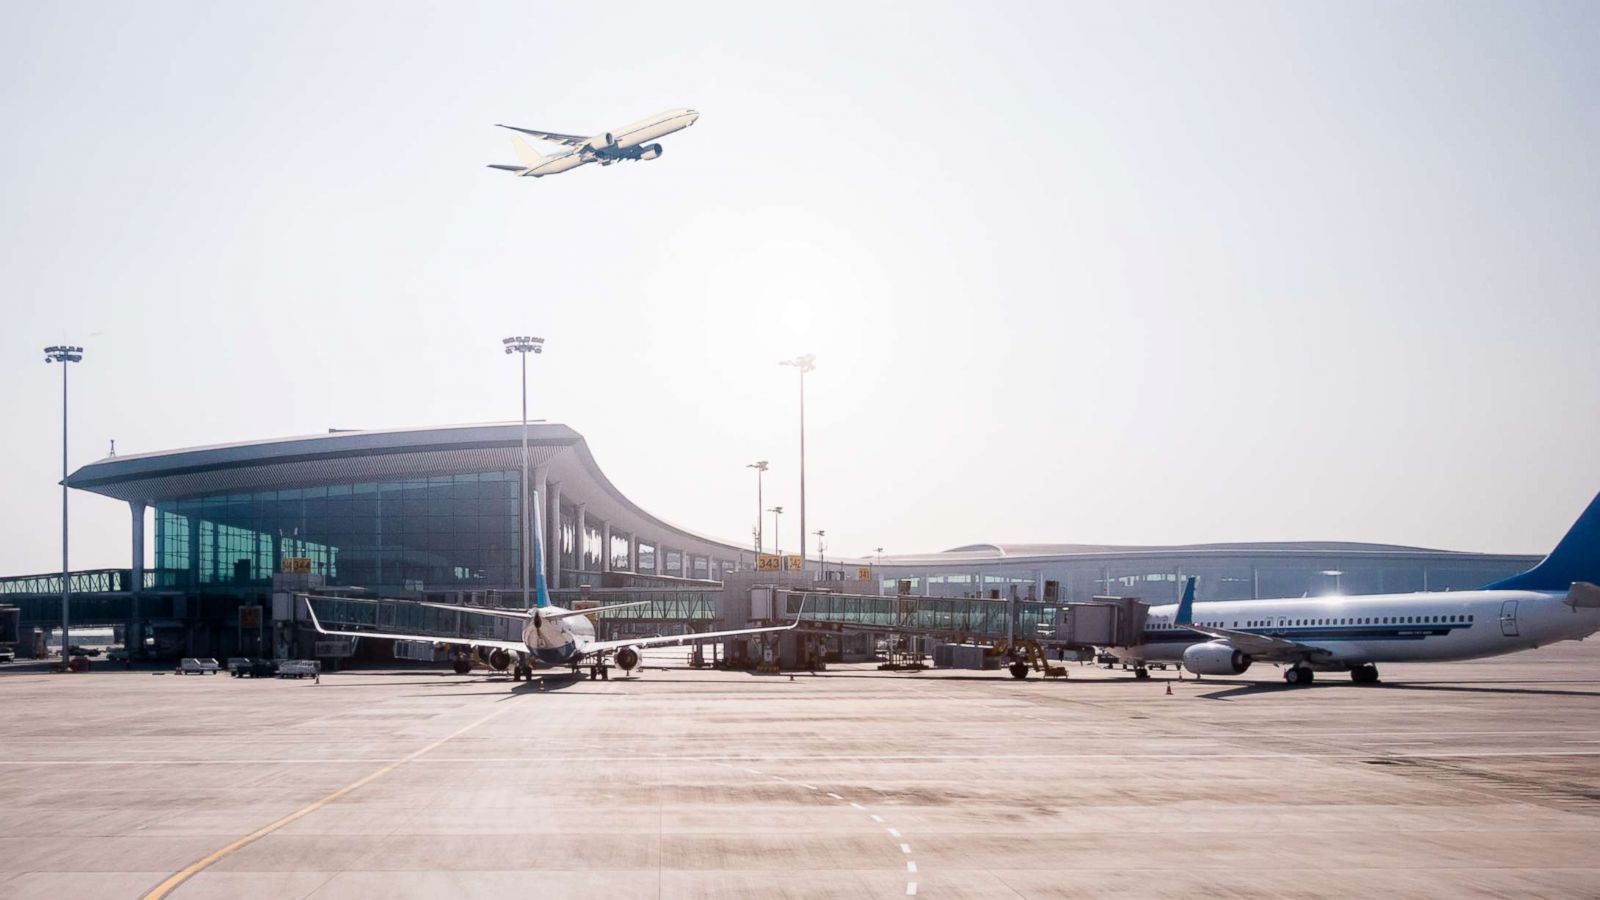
{"x":1185,"y":614}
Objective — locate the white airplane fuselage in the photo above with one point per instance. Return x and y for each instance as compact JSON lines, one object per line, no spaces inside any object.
{"x":1356,"y":630}
{"x":603,"y":148}
{"x":557,"y":642}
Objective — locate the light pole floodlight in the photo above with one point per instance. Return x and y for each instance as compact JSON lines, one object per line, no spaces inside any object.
{"x":805,"y":364}
{"x":64,"y":353}
{"x":777,"y":536}
{"x":760,"y":466}
{"x":525,"y":344}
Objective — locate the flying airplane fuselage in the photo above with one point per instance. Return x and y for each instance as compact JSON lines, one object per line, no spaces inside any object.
{"x":630,"y":142}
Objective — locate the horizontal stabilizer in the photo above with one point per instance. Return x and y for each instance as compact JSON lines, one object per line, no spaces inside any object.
{"x":529,"y":156}
{"x":1584,"y":595}
{"x":509,"y":168}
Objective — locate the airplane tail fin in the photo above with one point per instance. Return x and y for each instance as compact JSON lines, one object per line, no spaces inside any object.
{"x":541,"y":592}
{"x":1576,"y":558}
{"x":1185,"y":613}
{"x":525,"y":152}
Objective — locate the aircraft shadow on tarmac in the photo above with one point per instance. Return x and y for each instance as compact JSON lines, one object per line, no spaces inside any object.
{"x":1459,"y":687}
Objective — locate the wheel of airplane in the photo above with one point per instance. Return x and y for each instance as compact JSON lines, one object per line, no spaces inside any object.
{"x":1141,"y":672}
{"x":1364,"y":674}
{"x":1019,"y":670}
{"x":1298,"y":675}
{"x":461,"y":666}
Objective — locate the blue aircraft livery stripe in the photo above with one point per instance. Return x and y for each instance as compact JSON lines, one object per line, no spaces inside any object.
{"x":1313,"y":633}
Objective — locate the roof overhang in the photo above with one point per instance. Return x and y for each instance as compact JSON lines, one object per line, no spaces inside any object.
{"x":362,"y":456}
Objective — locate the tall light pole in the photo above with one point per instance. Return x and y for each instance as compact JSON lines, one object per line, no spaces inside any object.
{"x":805,"y":364}
{"x":777,"y":536}
{"x":760,"y":466}
{"x":64,"y":354}
{"x":822,"y":561}
{"x":522,"y":345}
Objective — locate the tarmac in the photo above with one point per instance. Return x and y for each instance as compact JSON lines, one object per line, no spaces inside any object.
{"x":1447,"y":780}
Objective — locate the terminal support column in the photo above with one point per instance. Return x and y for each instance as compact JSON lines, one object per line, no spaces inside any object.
{"x":553,"y":545}
{"x":132,"y":640}
{"x":605,"y":547}
{"x":583,"y":538}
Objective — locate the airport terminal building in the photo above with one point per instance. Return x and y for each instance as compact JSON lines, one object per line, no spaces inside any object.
{"x":437,"y":511}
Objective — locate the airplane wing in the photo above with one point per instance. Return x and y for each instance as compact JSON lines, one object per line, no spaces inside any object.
{"x":549,"y":615}
{"x":1260,"y":646}
{"x":513,"y":646}
{"x":571,"y":140}
{"x":517,"y":614}
{"x":669,"y":639}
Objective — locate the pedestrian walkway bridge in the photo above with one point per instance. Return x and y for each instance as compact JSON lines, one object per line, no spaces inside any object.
{"x":1105,"y":621}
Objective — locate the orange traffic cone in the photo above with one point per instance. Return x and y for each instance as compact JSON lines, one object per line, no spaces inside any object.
{"x":1169,"y":689}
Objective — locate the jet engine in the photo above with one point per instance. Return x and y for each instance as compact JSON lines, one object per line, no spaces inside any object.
{"x":627,"y":659}
{"x":651,"y":152}
{"x":607,"y":141}
{"x":1215,"y":658}
{"x":498,"y":659}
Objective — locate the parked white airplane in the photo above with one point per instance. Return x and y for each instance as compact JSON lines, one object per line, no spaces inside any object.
{"x":551,"y":636}
{"x":629,"y":142}
{"x":1557,"y":600}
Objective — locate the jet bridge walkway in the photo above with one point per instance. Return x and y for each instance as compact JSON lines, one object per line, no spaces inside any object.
{"x":1101,"y":622}
{"x":667,"y":611}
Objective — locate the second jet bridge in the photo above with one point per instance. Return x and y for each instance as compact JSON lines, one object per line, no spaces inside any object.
{"x":1101,"y":622}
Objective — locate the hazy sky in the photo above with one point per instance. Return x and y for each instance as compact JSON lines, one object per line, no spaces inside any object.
{"x":1098,"y":273}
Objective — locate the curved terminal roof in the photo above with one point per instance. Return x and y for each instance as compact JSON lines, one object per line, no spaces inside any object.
{"x":344,"y":457}
{"x":1288,"y":549}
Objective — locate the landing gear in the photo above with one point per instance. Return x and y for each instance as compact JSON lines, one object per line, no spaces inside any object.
{"x":1141,"y":673}
{"x":461,"y":666}
{"x":1366,"y":673}
{"x":1020,"y":670}
{"x":594,"y":672}
{"x":522,"y":673}
{"x":1297,"y":675}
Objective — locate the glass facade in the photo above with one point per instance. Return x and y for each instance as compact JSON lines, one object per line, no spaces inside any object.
{"x":450,"y":531}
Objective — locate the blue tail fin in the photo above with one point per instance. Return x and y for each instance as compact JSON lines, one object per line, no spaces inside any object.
{"x":1185,"y":614}
{"x":1575,"y":558}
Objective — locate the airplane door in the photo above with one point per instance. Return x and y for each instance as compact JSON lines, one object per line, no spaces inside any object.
{"x":1508,"y":618}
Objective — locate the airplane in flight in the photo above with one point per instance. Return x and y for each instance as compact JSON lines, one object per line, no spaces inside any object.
{"x":608,"y":147}
{"x":1556,"y":600}
{"x":552,"y":636}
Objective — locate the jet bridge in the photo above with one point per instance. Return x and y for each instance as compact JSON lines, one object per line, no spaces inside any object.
{"x":1075,"y":625}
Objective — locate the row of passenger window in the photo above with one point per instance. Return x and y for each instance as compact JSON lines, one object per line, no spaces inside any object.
{"x":1368,"y":620}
